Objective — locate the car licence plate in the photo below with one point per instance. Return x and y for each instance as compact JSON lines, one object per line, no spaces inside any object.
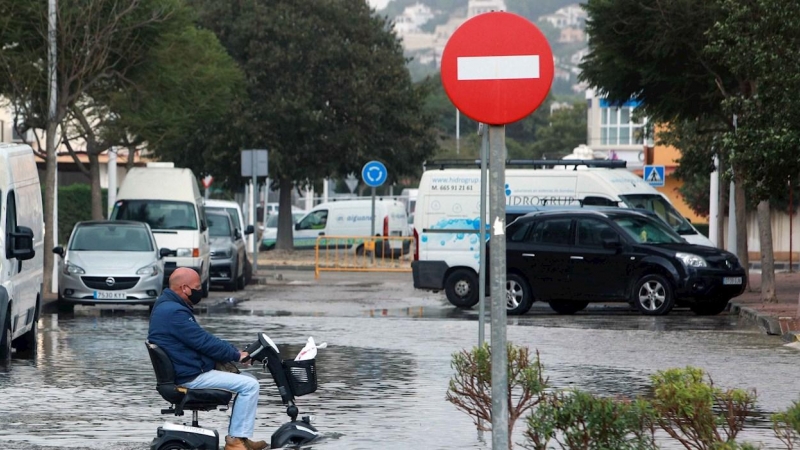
{"x":105,"y":295}
{"x":732,"y":280}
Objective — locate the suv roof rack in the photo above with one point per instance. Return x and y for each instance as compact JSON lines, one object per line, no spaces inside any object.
{"x":533,"y":163}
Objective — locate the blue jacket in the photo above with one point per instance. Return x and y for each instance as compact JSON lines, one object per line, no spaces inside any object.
{"x":191,"y":349}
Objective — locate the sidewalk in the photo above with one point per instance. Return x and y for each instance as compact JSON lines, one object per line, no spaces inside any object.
{"x":781,"y":318}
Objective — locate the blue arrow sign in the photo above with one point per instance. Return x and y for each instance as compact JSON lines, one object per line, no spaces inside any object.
{"x":654,"y":175}
{"x":374,"y":173}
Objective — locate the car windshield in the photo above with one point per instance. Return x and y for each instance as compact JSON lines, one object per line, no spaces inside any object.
{"x":648,"y":231}
{"x":230,"y":211}
{"x":219,"y":225}
{"x":115,"y":238}
{"x":662,"y":208}
{"x":159,"y":214}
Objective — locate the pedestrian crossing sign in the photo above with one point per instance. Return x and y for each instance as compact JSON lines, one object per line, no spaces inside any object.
{"x":654,"y":175}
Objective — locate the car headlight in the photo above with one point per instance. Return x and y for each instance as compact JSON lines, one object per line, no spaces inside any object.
{"x":184,"y":252}
{"x":691,"y":260}
{"x":151,"y":270}
{"x":221,"y":253}
{"x":72,"y":269}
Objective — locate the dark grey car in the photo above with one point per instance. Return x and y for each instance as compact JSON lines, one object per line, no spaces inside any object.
{"x":227,"y":251}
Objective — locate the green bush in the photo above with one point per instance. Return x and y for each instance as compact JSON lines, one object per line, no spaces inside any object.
{"x":74,"y":205}
{"x":787,"y":426}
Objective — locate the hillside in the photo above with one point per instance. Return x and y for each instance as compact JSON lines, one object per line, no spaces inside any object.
{"x":418,"y":26}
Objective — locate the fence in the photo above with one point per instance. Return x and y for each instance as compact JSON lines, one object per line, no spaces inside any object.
{"x":363,"y":254}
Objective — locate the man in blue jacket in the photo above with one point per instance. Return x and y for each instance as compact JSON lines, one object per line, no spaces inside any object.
{"x":194,"y":352}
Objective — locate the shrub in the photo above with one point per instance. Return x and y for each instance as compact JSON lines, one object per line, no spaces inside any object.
{"x":74,"y":205}
{"x":471,"y":387}
{"x":787,"y":426}
{"x":578,"y":420}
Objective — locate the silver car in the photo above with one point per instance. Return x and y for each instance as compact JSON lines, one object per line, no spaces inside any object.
{"x":228,"y":254}
{"x":110,"y":262}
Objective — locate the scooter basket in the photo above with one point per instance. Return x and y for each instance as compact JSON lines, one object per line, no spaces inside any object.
{"x":302,"y":376}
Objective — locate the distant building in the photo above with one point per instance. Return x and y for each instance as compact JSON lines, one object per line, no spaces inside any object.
{"x":569,"y":16}
{"x":412,"y":19}
{"x":569,"y":35}
{"x":475,"y":7}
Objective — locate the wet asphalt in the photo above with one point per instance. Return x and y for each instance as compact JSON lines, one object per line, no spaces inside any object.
{"x":383,"y":377}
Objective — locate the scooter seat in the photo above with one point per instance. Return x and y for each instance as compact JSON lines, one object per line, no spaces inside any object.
{"x":194,"y":399}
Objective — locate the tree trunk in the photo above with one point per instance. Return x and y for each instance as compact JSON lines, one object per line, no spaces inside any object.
{"x":97,"y":195}
{"x":285,"y":239}
{"x":723,"y":206}
{"x":767,"y":256}
{"x":741,"y":228}
{"x":50,"y":238}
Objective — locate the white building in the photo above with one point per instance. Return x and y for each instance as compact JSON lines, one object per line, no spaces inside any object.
{"x":412,"y":19}
{"x":612,"y":130}
{"x":572,"y":16}
{"x":475,"y":7}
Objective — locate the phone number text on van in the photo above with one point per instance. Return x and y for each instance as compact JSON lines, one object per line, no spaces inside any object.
{"x":452,"y":187}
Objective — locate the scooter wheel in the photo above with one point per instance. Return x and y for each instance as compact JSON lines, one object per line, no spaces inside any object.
{"x":175,"y":446}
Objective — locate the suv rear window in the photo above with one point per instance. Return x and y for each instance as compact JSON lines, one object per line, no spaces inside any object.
{"x":553,"y":232}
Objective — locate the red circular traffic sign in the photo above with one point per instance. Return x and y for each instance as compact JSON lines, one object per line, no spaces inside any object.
{"x":497,"y":68}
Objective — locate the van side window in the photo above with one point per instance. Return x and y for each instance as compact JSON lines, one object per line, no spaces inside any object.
{"x":11,"y":223}
{"x":314,"y":221}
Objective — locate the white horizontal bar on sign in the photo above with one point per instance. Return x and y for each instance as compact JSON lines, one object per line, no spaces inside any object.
{"x":498,"y":67}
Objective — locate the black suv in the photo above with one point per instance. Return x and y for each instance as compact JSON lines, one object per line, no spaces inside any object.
{"x":571,"y":258}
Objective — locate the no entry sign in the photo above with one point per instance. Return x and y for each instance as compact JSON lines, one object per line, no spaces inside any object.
{"x":497,"y":68}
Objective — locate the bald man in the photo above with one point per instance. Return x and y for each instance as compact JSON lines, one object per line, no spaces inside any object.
{"x":194,"y":352}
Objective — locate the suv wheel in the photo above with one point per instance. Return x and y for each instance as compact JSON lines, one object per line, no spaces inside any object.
{"x":653,"y":296}
{"x":567,"y":307}
{"x":206,"y":287}
{"x":461,"y":288}
{"x":518,"y":295}
{"x":710,"y":308}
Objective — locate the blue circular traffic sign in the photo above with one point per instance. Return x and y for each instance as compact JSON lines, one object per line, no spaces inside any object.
{"x":374,"y":173}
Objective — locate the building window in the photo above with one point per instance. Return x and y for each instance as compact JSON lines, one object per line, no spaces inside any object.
{"x":617,"y":126}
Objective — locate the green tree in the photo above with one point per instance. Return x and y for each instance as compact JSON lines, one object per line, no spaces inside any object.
{"x":656,"y":53}
{"x":327,"y":91}
{"x":97,"y":41}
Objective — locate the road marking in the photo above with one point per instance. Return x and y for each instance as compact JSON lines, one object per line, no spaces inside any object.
{"x":498,"y":67}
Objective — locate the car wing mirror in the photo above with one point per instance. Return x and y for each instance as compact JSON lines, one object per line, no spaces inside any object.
{"x":22,"y":244}
{"x":59,"y":251}
{"x":164,"y":252}
{"x":249,"y":230}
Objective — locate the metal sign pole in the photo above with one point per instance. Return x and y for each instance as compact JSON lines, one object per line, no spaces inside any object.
{"x":482,"y":236}
{"x":372,"y":234}
{"x":254,"y":193}
{"x":497,"y":207}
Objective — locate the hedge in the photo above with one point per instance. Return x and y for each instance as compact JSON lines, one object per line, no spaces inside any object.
{"x":74,"y":205}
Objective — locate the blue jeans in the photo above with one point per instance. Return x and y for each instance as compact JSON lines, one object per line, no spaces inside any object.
{"x":245,"y":386}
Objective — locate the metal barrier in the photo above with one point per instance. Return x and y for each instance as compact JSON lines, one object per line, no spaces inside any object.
{"x":363,"y":254}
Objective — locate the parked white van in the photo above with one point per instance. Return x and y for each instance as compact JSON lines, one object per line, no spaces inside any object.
{"x":22,"y":259}
{"x":348,"y":218}
{"x":168,"y":200}
{"x":449,"y":199}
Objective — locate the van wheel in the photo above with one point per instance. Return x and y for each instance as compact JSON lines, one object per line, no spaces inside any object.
{"x":5,"y":339}
{"x":248,"y":272}
{"x":461,"y":288}
{"x":653,"y":296}
{"x":518,"y":295}
{"x":26,"y":344}
{"x":567,"y":307}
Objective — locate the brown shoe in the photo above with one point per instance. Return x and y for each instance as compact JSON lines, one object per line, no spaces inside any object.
{"x":255,"y":445}
{"x":233,"y":443}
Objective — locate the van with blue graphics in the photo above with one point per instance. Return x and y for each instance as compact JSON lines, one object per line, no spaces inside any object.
{"x":448,"y":210}
{"x":344,"y":218}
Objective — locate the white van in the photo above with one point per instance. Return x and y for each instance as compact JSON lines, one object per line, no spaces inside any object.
{"x":22,"y":259}
{"x":449,"y":198}
{"x":348,"y":218}
{"x":168,"y":200}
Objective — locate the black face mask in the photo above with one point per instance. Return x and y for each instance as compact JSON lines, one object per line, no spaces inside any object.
{"x":196,"y":296}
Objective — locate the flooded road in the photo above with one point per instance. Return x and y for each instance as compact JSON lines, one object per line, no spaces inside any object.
{"x":383,"y":377}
